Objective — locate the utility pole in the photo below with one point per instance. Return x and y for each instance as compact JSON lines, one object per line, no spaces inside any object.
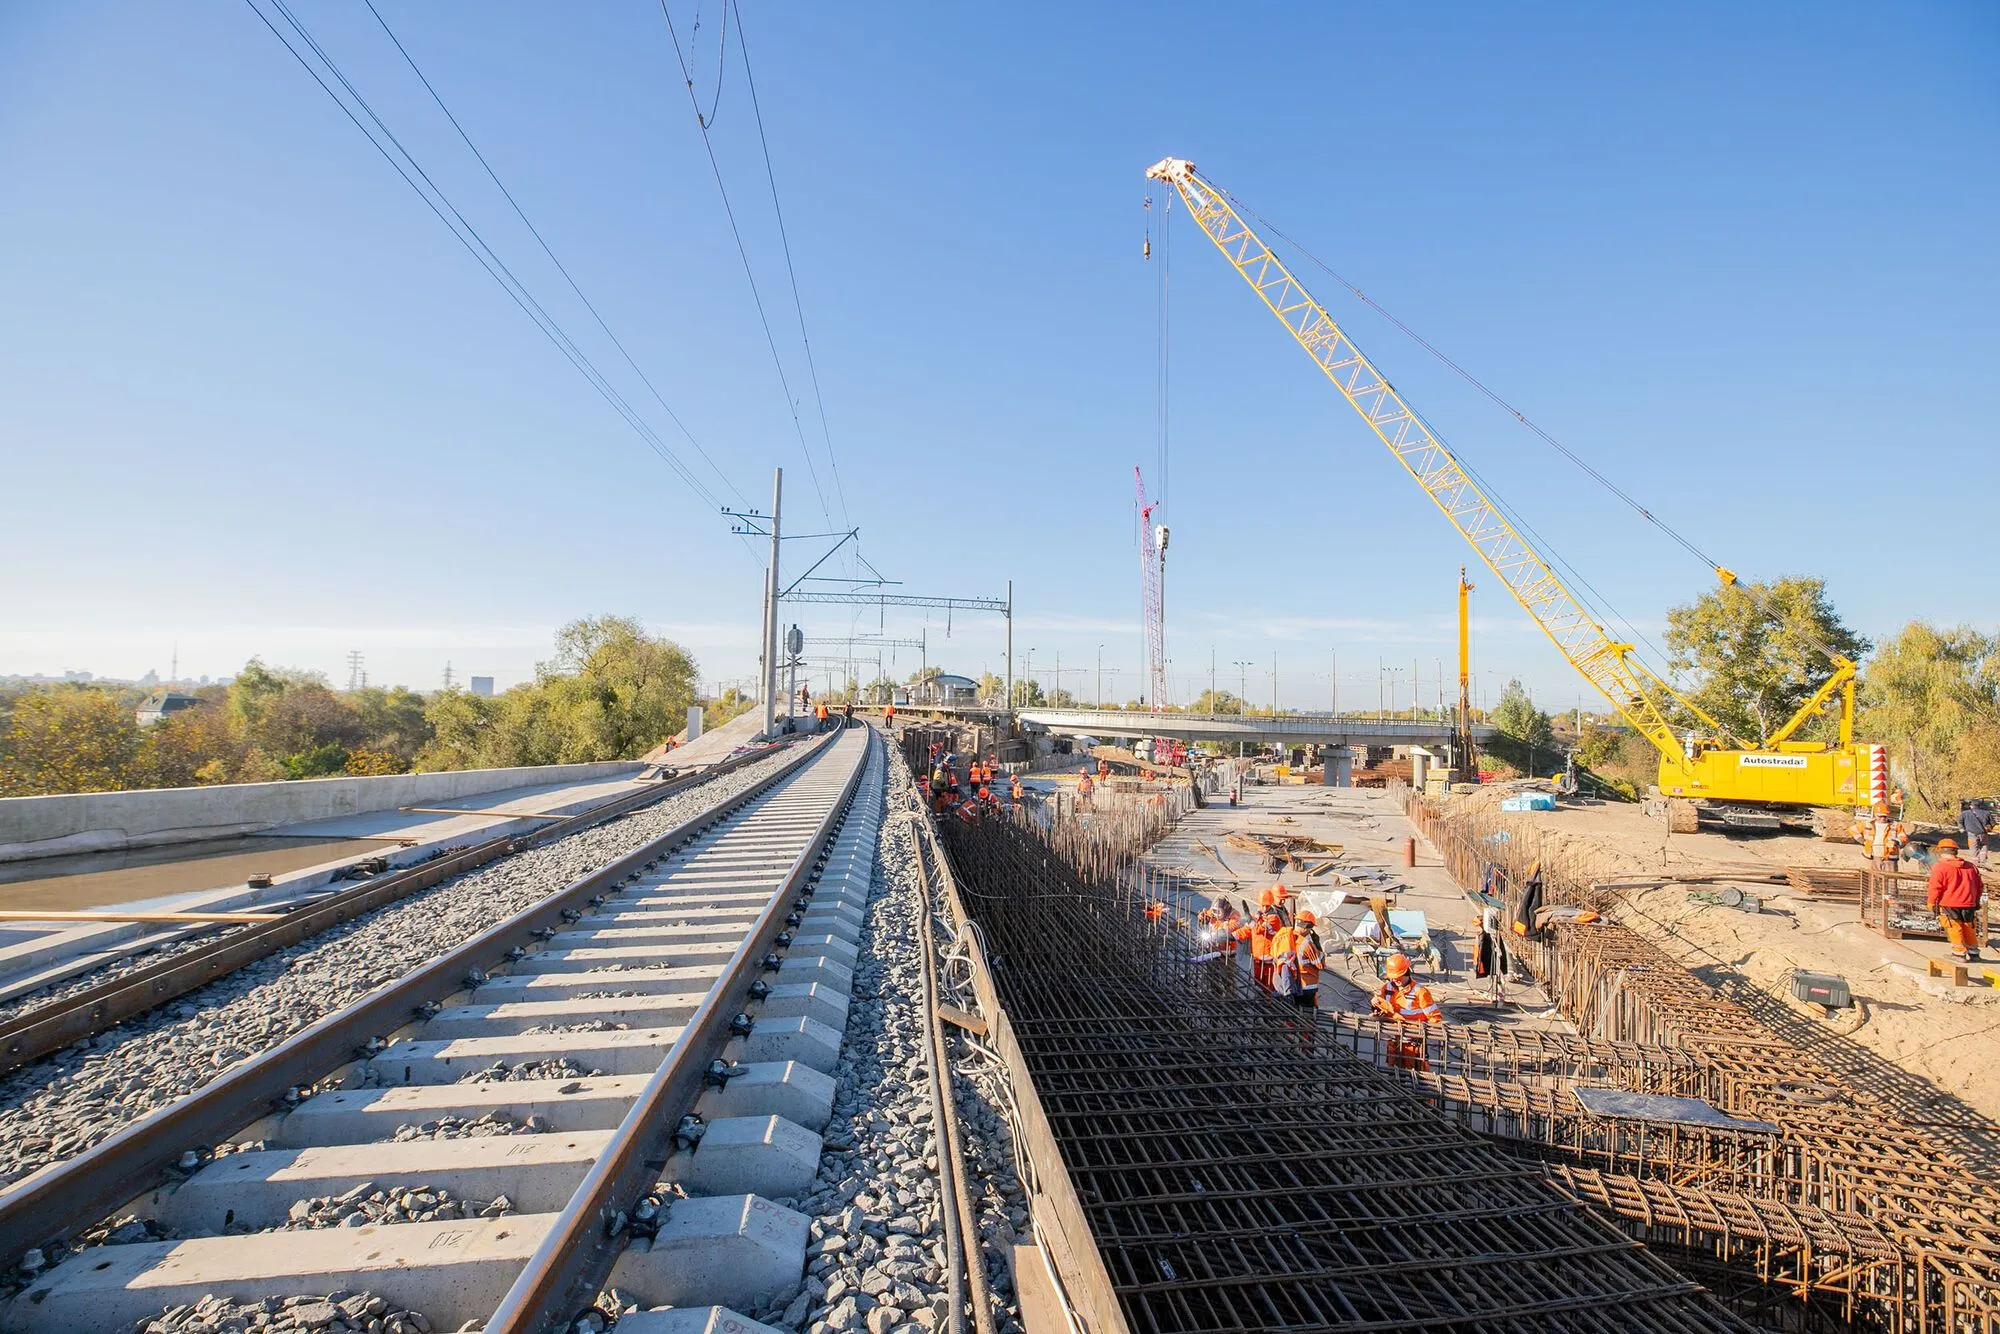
{"x":1211,"y":678}
{"x":1098,"y":697}
{"x":1274,"y":685}
{"x":771,"y":607}
{"x":1335,"y":701}
{"x":355,"y":679}
{"x":1010,"y":643}
{"x":447,"y":675}
{"x":1055,"y":700}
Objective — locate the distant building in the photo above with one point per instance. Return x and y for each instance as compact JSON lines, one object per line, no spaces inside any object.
{"x":482,"y":686}
{"x":164,"y":704}
{"x":945,"y":689}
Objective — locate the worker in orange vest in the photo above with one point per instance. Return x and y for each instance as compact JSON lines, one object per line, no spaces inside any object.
{"x":1084,"y":787}
{"x":1262,"y":932}
{"x":1312,"y":957}
{"x":1954,"y":893}
{"x":1284,"y":959}
{"x":1881,"y":837}
{"x":1156,"y":911}
{"x":1017,"y":789}
{"x":1103,"y":769}
{"x":889,"y":717}
{"x":1406,"y":1001}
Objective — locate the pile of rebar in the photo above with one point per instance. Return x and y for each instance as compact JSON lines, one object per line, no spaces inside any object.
{"x":1240,"y":1165}
{"x":1864,"y":1206}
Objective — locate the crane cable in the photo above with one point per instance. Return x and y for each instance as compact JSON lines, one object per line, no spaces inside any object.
{"x":1728,"y":577}
{"x":1685,"y":543}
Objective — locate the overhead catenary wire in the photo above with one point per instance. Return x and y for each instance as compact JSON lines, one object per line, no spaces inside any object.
{"x":743,"y":253}
{"x":784,"y":238}
{"x":468,"y":236}
{"x":561,"y":268}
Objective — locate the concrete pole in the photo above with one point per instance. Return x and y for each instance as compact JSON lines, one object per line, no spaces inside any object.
{"x":770,"y":690}
{"x":1010,"y":643}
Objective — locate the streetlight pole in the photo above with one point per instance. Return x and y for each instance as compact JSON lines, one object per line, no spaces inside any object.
{"x":1099,"y":696}
{"x":1274,"y":685}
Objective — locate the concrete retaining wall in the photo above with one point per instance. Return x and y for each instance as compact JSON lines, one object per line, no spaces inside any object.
{"x":106,"y":821}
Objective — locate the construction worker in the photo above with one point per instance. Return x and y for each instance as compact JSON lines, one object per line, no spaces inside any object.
{"x":1975,"y":821}
{"x":1084,"y":788}
{"x":1312,"y":957}
{"x":1018,"y":791}
{"x":1262,"y":932}
{"x":1285,"y":960}
{"x":1884,"y":838}
{"x":1156,"y":911}
{"x":1103,"y":770}
{"x":889,"y":716}
{"x":1406,"y":1001}
{"x":1955,"y":890}
{"x":847,"y":711}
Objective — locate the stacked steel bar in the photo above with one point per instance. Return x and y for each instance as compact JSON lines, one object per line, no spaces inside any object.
{"x":1845,"y":1151}
{"x":1241,"y":1168}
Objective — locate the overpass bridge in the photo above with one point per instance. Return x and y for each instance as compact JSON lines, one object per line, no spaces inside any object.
{"x":1295,"y":729}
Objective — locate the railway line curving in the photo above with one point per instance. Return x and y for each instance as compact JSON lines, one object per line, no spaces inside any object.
{"x":606,"y":1083}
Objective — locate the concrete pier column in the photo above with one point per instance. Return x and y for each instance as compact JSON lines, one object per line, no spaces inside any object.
{"x":1337,"y":766}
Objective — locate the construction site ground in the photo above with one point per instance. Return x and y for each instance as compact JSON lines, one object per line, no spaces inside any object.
{"x":1369,"y":829}
{"x":1929,"y":1040}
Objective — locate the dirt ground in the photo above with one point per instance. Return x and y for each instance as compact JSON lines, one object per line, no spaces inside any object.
{"x":1942,"y":1034}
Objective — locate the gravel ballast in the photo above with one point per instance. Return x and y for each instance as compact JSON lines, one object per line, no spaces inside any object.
{"x":55,"y":1108}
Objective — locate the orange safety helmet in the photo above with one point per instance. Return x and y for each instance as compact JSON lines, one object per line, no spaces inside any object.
{"x":1265,"y":898}
{"x":1307,"y":918}
{"x":1398,"y":967}
{"x":1947,"y":845}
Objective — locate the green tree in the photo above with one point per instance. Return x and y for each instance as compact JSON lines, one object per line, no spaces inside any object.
{"x":392,"y":721}
{"x":616,"y":692}
{"x":1933,"y":698}
{"x":68,"y":740}
{"x":1759,"y":652}
{"x":1028,"y":694}
{"x":731,"y":703}
{"x":459,"y":723}
{"x":190,"y":748}
{"x":1216,"y":702}
{"x":1517,"y":716}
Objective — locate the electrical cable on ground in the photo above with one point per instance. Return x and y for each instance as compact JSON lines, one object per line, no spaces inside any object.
{"x":468,"y":236}
{"x":561,"y":268}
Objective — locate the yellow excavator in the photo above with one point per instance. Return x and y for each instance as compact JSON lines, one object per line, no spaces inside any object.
{"x":1711,"y":780}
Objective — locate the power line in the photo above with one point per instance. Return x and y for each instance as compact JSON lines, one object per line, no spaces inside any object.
{"x":743,"y":253}
{"x":757,"y":112}
{"x":543,"y":243}
{"x":468,"y":236}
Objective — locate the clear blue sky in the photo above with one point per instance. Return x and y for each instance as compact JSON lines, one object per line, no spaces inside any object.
{"x":255,"y":398}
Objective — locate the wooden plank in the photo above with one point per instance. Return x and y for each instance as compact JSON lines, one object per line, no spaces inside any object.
{"x":225,"y":918}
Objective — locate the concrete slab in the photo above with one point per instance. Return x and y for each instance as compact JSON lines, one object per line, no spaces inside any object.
{"x":833,"y":947}
{"x":735,"y":1250}
{"x":806,"y":1041}
{"x":625,"y":1052}
{"x":798,"y":1093}
{"x":627,"y":956}
{"x":537,"y":1172}
{"x":810,"y":999}
{"x":473,"y":1021}
{"x":693,"y":1320}
{"x":452,"y":1272}
{"x":560,"y":986}
{"x":752,"y":1155}
{"x":358,"y":1116}
{"x":806,"y":968}
{"x":829,"y":926}
{"x":727,"y":932}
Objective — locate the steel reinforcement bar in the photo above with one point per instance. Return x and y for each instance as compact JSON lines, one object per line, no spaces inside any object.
{"x":1242,"y":1169}
{"x":1843,"y":1151}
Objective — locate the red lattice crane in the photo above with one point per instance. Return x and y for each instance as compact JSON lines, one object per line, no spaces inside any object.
{"x":1152,"y":569}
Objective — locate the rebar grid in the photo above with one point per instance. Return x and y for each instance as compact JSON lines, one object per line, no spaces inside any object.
{"x":1240,"y":1167}
{"x":1844,"y":1152}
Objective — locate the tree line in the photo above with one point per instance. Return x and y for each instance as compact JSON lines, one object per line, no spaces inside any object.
{"x":1753,"y":655}
{"x":610,"y":692}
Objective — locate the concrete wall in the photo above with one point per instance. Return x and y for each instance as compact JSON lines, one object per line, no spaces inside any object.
{"x":103,"y":821}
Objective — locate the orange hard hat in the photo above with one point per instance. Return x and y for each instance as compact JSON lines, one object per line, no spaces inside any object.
{"x":1398,"y":966}
{"x":1306,"y":918}
{"x":1264,"y":898}
{"x":1881,"y":808}
{"x":1947,"y":845}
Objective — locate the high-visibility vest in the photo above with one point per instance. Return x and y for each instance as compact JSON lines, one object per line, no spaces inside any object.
{"x":1413,"y":1004}
{"x":1311,"y":956}
{"x":1260,"y":940}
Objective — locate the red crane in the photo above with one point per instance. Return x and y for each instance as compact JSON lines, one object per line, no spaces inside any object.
{"x":1152,"y":568}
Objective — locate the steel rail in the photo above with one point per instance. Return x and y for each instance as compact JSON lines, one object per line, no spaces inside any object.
{"x":47,"y":1029}
{"x":564,"y":1275}
{"x":65,"y":1197}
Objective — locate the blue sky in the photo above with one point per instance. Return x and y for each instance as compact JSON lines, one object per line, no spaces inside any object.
{"x":255,"y":398}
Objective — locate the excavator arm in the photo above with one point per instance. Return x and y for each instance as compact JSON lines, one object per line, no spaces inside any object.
{"x":1608,"y":665}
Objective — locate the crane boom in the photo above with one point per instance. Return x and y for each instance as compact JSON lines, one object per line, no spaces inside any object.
{"x":1151,"y":558}
{"x":1779,"y":773}
{"x":1606,"y":663}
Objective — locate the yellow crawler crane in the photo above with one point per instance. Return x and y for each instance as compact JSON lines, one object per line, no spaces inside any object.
{"x":1702,"y":779}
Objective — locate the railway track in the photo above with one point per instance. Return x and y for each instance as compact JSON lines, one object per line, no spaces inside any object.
{"x":610,"y":1088}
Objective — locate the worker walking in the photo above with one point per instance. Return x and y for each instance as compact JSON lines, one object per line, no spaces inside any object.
{"x":1084,"y":788}
{"x":1406,"y":1001}
{"x":1885,"y":838}
{"x":1955,"y":890}
{"x":1976,"y":823}
{"x":1017,"y":790}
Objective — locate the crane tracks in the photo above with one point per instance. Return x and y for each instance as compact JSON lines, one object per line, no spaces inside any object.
{"x":575,"y":1084}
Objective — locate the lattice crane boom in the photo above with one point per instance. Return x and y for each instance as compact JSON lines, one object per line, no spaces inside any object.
{"x":1606,"y":663}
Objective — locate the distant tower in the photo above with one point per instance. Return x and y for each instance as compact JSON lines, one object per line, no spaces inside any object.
{"x":356,"y":677}
{"x":174,"y":670}
{"x":447,"y":676}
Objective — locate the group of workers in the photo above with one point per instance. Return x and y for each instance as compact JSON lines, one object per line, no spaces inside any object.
{"x":1954,"y":887}
{"x":972,"y":797}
